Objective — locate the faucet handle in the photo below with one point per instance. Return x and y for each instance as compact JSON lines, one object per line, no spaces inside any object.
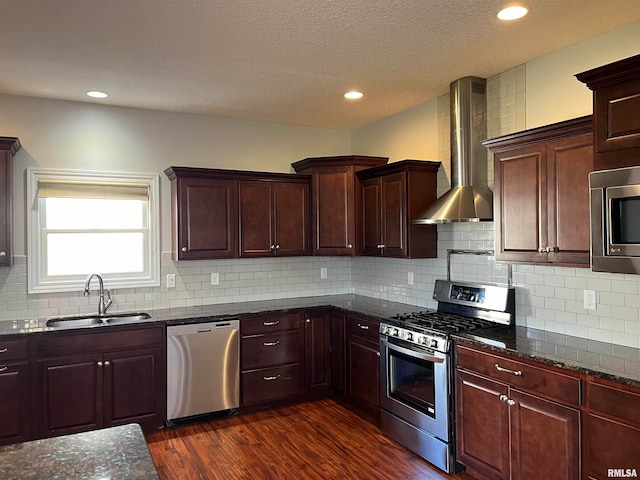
{"x":108,"y":303}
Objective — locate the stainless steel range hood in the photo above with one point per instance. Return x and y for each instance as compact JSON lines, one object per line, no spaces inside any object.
{"x":470,"y":199}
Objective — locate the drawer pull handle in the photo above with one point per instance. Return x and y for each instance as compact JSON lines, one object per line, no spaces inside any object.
{"x":2,"y":369}
{"x":363,"y":327}
{"x":273,"y":377}
{"x":517,"y":373}
{"x":271,"y":324}
{"x":271,"y":344}
{"x":4,"y":350}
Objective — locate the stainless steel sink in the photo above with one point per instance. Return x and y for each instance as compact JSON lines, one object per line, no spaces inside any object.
{"x":88,"y":320}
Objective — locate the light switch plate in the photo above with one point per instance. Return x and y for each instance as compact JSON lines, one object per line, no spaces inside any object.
{"x":323,"y":272}
{"x":215,"y":278}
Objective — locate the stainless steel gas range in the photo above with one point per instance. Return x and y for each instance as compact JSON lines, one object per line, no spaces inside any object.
{"x":416,"y":374}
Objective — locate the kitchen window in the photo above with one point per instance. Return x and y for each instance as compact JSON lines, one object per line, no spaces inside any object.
{"x":86,"y":222}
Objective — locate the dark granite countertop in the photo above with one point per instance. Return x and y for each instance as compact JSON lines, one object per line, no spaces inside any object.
{"x":600,"y":359}
{"x":115,"y":453}
{"x":605,"y":360}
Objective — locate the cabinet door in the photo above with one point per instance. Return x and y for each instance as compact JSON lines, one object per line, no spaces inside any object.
{"x":394,"y":215}
{"x":6,"y":253}
{"x":363,"y":384}
{"x":15,"y":424}
{"x":338,"y":350}
{"x":317,"y":336}
{"x":291,"y":218}
{"x":134,"y":387}
{"x":371,"y":216}
{"x":70,"y":393}
{"x":256,"y":212}
{"x":609,"y":444}
{"x":207,"y":219}
{"x":569,"y":162}
{"x":334,"y":211}
{"x":519,"y":207}
{"x":545,"y":439}
{"x":482,"y":425}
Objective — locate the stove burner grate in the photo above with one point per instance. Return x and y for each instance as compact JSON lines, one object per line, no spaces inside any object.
{"x":443,"y":322}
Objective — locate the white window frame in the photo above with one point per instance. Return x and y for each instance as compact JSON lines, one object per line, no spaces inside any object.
{"x":36,"y":283}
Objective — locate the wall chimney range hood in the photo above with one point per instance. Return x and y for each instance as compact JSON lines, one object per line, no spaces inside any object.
{"x":469,"y":199}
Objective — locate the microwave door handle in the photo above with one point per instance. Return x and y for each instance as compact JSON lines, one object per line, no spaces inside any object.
{"x":413,"y":353}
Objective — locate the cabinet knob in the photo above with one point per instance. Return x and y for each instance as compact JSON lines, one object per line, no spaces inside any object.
{"x":541,"y":250}
{"x":382,"y":246}
{"x":378,"y":353}
{"x":503,"y":398}
{"x":349,"y":245}
{"x":272,"y":247}
{"x":277,"y":246}
{"x":99,"y":364}
{"x":308,"y":320}
{"x":510,"y":402}
{"x":107,"y":363}
{"x":184,"y":249}
{"x":3,"y":254}
{"x":553,"y":249}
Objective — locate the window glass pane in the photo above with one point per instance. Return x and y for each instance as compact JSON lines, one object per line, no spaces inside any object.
{"x":87,"y":214}
{"x":83,"y":253}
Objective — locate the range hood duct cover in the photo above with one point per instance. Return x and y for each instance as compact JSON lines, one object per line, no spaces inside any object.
{"x":470,"y":199}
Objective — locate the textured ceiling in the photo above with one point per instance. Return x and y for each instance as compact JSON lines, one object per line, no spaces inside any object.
{"x":285,"y":61}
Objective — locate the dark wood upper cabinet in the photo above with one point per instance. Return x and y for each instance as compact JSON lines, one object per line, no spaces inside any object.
{"x":616,"y":103}
{"x":336,"y":201}
{"x":9,"y":146}
{"x":204,"y":214}
{"x":541,"y":193}
{"x":274,"y":216}
{"x":229,"y":213}
{"x":391,"y":196}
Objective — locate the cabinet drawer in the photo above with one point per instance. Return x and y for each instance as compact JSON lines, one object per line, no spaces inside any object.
{"x":364,"y":328}
{"x":13,"y":349}
{"x":271,"y":384}
{"x":271,"y":349}
{"x":540,"y":380}
{"x":250,"y":325}
{"x":613,"y":401}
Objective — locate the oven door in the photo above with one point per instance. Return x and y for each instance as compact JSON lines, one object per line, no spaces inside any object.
{"x":415,"y":386}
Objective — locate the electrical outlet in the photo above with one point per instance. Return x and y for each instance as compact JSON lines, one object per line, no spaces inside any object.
{"x":215,"y":278}
{"x":410,"y":278}
{"x":590,"y":299}
{"x":171,"y":280}
{"x":323,"y":272}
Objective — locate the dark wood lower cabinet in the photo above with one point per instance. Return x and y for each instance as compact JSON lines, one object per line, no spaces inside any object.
{"x":363,"y":364}
{"x":504,"y":432}
{"x":15,"y":424}
{"x":338,"y":351}
{"x":317,"y":338}
{"x":84,"y":381}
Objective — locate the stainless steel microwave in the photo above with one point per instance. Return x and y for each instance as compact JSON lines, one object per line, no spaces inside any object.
{"x":615,"y":220}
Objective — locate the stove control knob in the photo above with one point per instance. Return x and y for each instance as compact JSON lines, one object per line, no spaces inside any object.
{"x":410,"y":336}
{"x":433,"y":343}
{"x":395,"y":332}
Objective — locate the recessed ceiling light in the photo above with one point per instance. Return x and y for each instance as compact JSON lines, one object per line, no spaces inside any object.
{"x":353,"y":95}
{"x":512,"y":13}
{"x":97,"y":94}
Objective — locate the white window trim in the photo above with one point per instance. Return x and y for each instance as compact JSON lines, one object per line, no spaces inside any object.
{"x":35,"y":283}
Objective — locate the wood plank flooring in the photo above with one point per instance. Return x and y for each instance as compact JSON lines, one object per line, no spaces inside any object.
{"x":314,"y":440}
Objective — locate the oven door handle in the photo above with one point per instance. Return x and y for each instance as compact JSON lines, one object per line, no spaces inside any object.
{"x":413,"y":353}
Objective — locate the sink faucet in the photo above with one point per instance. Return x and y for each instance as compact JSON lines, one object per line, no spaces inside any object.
{"x":102,"y":305}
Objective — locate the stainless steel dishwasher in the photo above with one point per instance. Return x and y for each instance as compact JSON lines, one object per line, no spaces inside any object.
{"x":202,"y":367}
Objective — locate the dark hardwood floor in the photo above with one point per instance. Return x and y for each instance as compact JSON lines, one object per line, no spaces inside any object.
{"x":313,"y":440}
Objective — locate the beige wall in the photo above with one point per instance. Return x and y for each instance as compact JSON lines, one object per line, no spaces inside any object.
{"x":553,"y":92}
{"x":74,"y":135}
{"x":409,"y":134}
